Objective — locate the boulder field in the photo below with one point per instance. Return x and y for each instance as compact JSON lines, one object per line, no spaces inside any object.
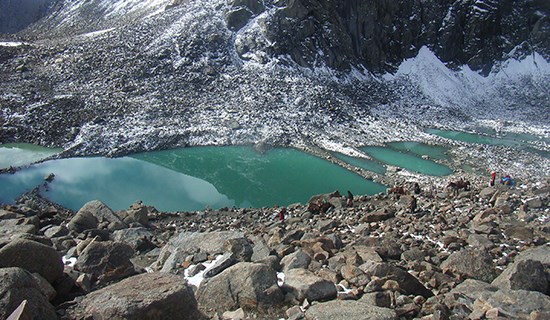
{"x":482,"y":253}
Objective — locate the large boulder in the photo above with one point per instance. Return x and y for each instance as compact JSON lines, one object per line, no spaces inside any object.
{"x":305,"y":284}
{"x":297,"y":259}
{"x":92,"y":214}
{"x":33,"y":257}
{"x":407,"y":282}
{"x":190,"y":242}
{"x":471,"y":263}
{"x":480,"y":297}
{"x":523,"y":274}
{"x":145,"y":296}
{"x":346,"y":309}
{"x":245,"y":285}
{"x":10,"y":228}
{"x":106,"y":261}
{"x":18,"y":285}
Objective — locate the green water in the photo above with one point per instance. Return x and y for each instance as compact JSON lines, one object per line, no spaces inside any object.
{"x":188,"y":179}
{"x":514,"y":140}
{"x":280,"y":176}
{"x":421,"y":149}
{"x":21,"y":154}
{"x":474,"y":138}
{"x":364,"y":163}
{"x":407,"y":161}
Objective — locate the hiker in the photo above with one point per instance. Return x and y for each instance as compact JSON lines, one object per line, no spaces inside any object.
{"x":282,"y":213}
{"x":413,"y":204}
{"x":416,"y":188}
{"x":349,"y":201}
{"x":493,"y":177}
{"x":507,"y":181}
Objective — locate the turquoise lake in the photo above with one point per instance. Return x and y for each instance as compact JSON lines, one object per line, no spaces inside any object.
{"x":407,"y":161}
{"x":21,"y":154}
{"x":188,"y":179}
{"x":509,"y":139}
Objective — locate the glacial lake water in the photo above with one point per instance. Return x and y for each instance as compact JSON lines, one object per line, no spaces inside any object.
{"x":509,"y":139}
{"x":188,"y":179}
{"x":407,"y":160}
{"x":21,"y":154}
{"x":363,"y":163}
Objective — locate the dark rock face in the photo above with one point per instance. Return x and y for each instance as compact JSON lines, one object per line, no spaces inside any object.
{"x":379,"y":34}
{"x":18,"y":285}
{"x":15,"y":15}
{"x":145,"y":296}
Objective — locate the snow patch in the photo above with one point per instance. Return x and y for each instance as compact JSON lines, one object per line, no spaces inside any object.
{"x":11,"y":44}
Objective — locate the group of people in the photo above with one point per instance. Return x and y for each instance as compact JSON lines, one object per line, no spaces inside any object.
{"x":506,"y":180}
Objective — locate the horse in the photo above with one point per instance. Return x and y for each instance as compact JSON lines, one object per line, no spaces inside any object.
{"x":399,"y":190}
{"x":459,"y":184}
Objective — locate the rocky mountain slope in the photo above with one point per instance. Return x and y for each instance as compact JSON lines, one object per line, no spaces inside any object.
{"x":115,"y":77}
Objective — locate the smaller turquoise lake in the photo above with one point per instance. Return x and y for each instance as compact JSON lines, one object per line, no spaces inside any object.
{"x":21,"y":154}
{"x":188,"y":179}
{"x":509,"y":139}
{"x":363,"y":163}
{"x":407,"y":160}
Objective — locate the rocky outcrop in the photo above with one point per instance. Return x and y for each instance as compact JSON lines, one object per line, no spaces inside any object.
{"x":17,"y":15}
{"x":379,"y":34}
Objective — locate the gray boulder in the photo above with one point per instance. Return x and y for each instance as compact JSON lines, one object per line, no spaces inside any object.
{"x":346,"y":309}
{"x":480,"y":297}
{"x":241,"y":248}
{"x":472,"y":263}
{"x":106,"y":261}
{"x":137,"y":238}
{"x":523,"y":274}
{"x":145,"y":296}
{"x":297,"y":259}
{"x":247,"y":285}
{"x":305,"y":284}
{"x":18,"y":285}
{"x":33,"y":257}
{"x":10,"y":228}
{"x":92,"y":214}
{"x":224,"y":262}
{"x":189,"y":242}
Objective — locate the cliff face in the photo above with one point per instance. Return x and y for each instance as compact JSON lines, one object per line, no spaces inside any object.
{"x":375,"y":34}
{"x":15,"y":15}
{"x":379,"y":34}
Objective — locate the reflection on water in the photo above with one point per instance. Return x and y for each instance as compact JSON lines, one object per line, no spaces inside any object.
{"x":280,"y":176}
{"x":407,"y":161}
{"x":117,"y":182}
{"x":21,"y":154}
{"x":188,"y":179}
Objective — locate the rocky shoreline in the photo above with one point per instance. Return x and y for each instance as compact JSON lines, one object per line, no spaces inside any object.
{"x":476,"y":254}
